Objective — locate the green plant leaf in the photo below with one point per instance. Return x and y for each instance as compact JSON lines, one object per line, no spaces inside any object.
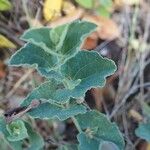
{"x":146,"y":109}
{"x":42,"y":60}
{"x":102,"y":11}
{"x":108,"y":145}
{"x":143,"y":131}
{"x":17,"y":131}
{"x":46,"y":55}
{"x":4,"y":144}
{"x":4,"y":5}
{"x":33,"y":55}
{"x":68,"y":147}
{"x":88,"y":67}
{"x":105,"y":8}
{"x":87,"y":143}
{"x":9,"y":131}
{"x":49,"y":91}
{"x":39,"y":37}
{"x":35,"y":139}
{"x":98,"y":129}
{"x":3,"y":126}
{"x":63,"y":41}
{"x":106,"y":3}
{"x":85,"y":3}
{"x":16,"y":145}
{"x":51,"y":111}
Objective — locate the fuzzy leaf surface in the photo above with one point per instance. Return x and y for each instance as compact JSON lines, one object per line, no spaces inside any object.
{"x":17,"y":131}
{"x":88,"y":67}
{"x":35,"y":139}
{"x":33,"y":56}
{"x":108,"y":145}
{"x":16,"y":145}
{"x":87,"y":143}
{"x":51,"y":111}
{"x":49,"y":48}
{"x":48,"y":91}
{"x":69,"y":38}
{"x":98,"y":129}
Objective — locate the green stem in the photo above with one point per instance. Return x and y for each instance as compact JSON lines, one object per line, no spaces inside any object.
{"x":75,"y":121}
{"x":62,"y":38}
{"x":76,"y":124}
{"x":50,"y":51}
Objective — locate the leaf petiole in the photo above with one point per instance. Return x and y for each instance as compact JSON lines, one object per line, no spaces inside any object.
{"x":76,"y":124}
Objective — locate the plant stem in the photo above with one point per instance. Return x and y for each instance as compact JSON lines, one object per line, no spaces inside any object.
{"x":75,"y":121}
{"x":49,"y":50}
{"x":76,"y":124}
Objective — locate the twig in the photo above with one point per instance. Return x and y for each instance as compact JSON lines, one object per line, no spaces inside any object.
{"x":24,"y":3}
{"x":132,"y":91}
{"x":16,"y":113}
{"x":142,"y":63}
{"x":18,"y":83}
{"x":37,"y":17}
{"x":4,"y":29}
{"x":125,"y":124}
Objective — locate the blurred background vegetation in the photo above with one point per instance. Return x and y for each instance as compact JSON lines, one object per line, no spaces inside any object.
{"x":123,"y":34}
